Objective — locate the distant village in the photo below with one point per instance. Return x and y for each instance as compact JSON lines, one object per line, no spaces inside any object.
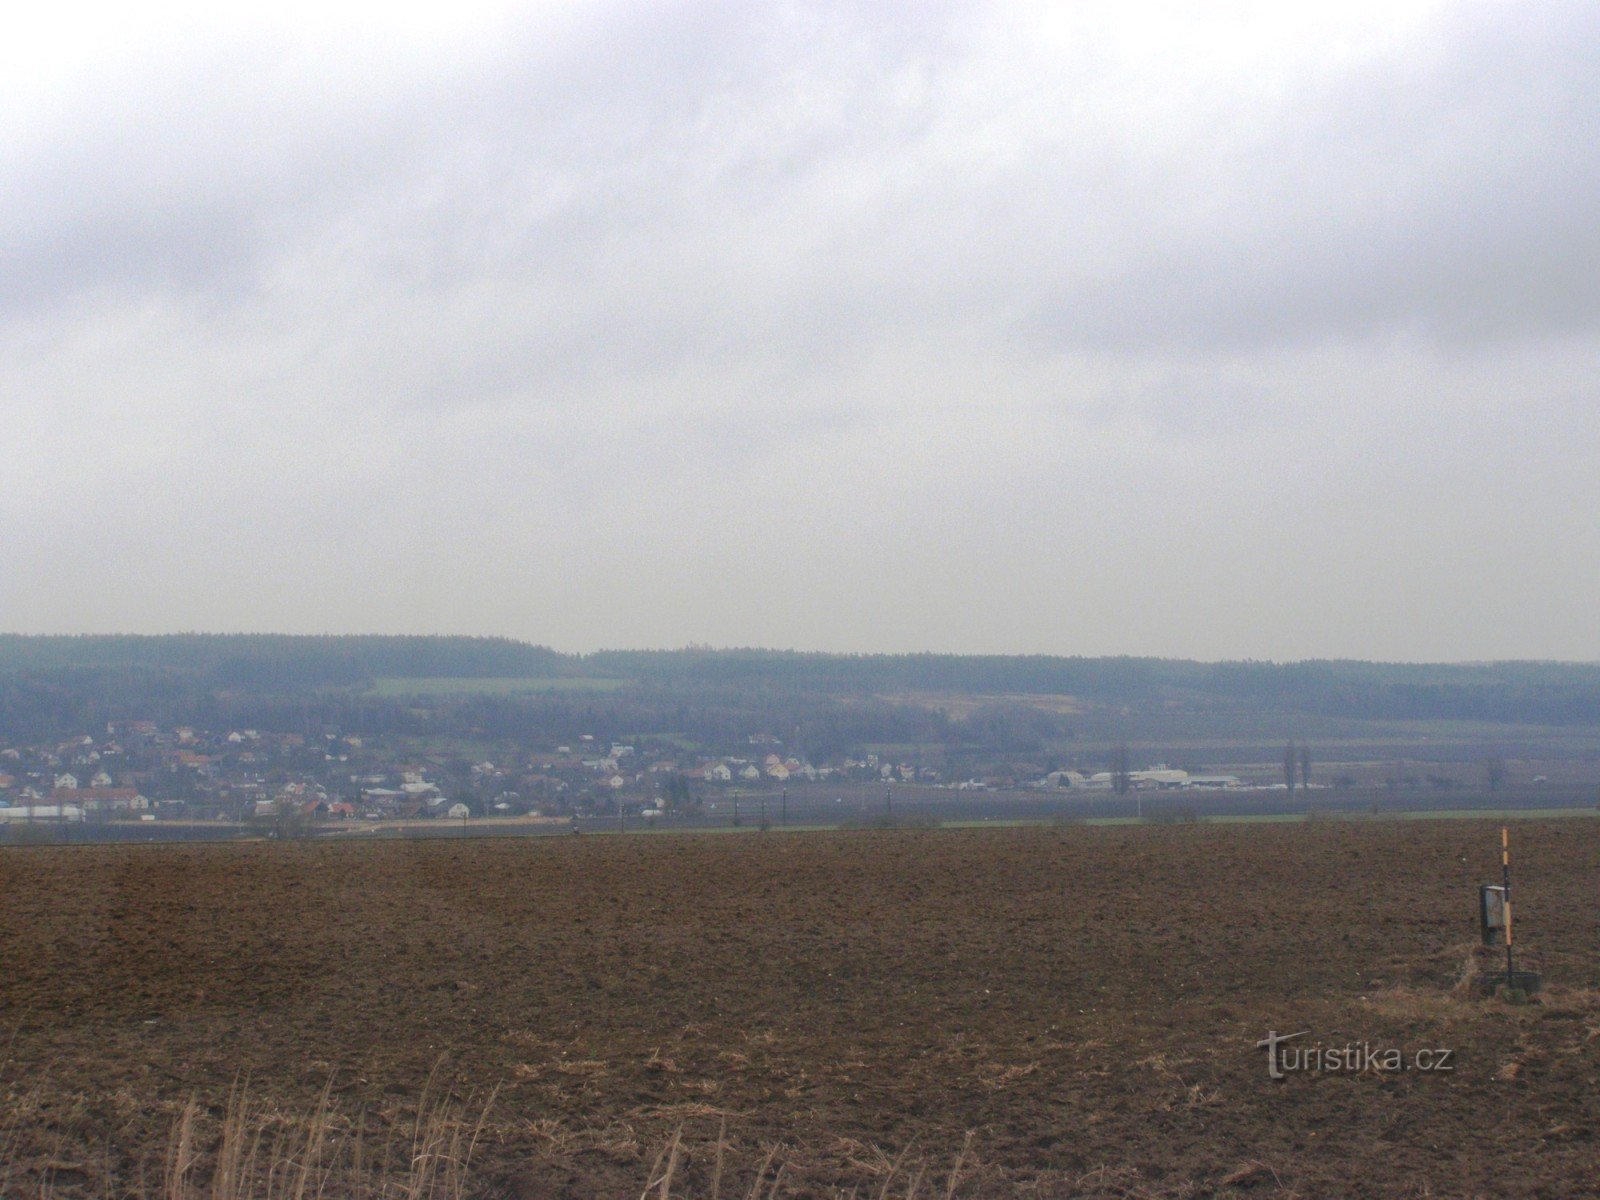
{"x":138,"y":771}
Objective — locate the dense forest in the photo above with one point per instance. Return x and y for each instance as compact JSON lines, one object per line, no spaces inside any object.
{"x":59,"y":685}
{"x":283,"y":661}
{"x":1537,"y":692}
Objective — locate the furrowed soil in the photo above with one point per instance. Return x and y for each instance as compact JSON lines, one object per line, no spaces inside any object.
{"x":845,"y":1008}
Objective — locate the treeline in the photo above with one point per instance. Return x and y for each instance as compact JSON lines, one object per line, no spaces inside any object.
{"x":65,"y":684}
{"x":286,"y":661}
{"x":1533,"y":692}
{"x":39,"y":706}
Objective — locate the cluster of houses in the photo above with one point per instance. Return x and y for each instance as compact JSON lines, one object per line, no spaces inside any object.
{"x":136,"y":771}
{"x":52,"y":795}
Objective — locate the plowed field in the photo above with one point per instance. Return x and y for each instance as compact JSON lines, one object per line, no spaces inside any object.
{"x":1084,"y":1002}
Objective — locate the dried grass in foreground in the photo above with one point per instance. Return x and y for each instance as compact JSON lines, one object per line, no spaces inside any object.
{"x":248,"y":1150}
{"x":260,"y":1154}
{"x":909,"y":1183}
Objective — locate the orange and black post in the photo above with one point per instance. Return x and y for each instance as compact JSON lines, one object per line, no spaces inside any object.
{"x":1505,"y":878}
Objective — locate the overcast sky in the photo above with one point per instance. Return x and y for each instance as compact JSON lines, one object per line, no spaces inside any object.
{"x":1271,"y":332}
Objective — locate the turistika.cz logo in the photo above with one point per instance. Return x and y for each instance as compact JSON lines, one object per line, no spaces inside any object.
{"x":1286,"y":1056}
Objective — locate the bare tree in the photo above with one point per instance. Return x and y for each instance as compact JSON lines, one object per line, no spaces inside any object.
{"x":1289,"y":761}
{"x":1494,"y":772}
{"x":1305,"y":766}
{"x":1121,"y":775}
{"x":288,"y":818}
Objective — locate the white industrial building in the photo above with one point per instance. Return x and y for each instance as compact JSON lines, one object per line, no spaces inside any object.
{"x":42,"y":812}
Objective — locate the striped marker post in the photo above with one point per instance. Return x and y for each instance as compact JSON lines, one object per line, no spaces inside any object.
{"x":1505,"y":878}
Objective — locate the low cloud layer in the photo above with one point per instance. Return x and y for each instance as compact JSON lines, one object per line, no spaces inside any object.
{"x":834,"y":326}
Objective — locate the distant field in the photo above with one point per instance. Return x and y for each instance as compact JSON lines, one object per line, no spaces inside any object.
{"x":963,"y":704}
{"x":676,"y":740}
{"x":400,"y":686}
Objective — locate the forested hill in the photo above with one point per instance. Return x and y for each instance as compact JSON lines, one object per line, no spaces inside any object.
{"x":1111,"y":677}
{"x":124,"y":668}
{"x":282,"y":661}
{"x":1537,"y":692}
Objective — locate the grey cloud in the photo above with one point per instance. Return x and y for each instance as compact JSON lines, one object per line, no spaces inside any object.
{"x":1445,"y":190}
{"x":954,"y":329}
{"x":761,"y":167}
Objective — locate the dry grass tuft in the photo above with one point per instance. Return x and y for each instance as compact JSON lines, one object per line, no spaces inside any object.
{"x":260,"y":1154}
{"x":1418,"y":1004}
{"x":877,"y":1176}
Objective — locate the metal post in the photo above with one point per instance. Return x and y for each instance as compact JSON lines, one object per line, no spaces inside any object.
{"x":783,"y":811}
{"x":888,"y":800}
{"x":736,"y":809}
{"x":1505,"y":875}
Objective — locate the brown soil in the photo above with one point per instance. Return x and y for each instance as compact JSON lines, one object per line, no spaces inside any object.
{"x":1085,"y":1001}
